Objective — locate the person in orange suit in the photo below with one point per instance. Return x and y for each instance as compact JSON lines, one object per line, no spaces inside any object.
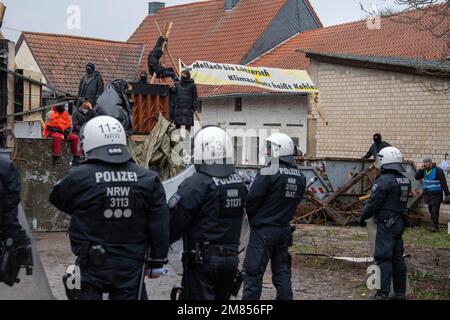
{"x":59,"y":128}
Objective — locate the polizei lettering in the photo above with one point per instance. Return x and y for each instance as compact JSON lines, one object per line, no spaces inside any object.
{"x":116,"y":176}
{"x":234,"y":178}
{"x":290,"y":171}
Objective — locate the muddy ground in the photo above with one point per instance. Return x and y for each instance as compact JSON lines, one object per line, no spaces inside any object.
{"x":314,"y":277}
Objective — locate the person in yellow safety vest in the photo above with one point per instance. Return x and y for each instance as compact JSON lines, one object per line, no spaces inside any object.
{"x":434,"y":184}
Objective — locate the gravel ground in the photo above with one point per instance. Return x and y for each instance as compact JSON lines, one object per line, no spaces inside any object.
{"x":314,"y":277}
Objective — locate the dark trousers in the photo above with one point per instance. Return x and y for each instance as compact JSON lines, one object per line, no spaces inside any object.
{"x":212,"y":280}
{"x":178,"y":126}
{"x":268,"y":243}
{"x":119,"y":277}
{"x":89,"y":292}
{"x":434,"y":210}
{"x":389,"y":257}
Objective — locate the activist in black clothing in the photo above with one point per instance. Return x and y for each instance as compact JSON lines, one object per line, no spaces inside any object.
{"x":143,"y":78}
{"x":376,"y":147}
{"x":82,"y":116}
{"x":388,"y":205}
{"x":91,"y":86}
{"x":154,"y":61}
{"x":271,"y":205}
{"x":434,"y":186}
{"x":186,"y":101}
{"x":117,"y":210}
{"x":208,"y":209}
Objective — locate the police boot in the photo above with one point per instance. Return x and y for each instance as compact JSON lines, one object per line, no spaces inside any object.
{"x":398,"y":296}
{"x":380,"y":296}
{"x":435,"y":227}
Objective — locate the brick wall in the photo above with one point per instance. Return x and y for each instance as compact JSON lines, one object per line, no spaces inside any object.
{"x":360,"y":102}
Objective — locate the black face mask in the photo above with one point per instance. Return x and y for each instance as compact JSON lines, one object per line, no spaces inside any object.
{"x":144,"y":78}
{"x":184,"y":79}
{"x":89,"y":71}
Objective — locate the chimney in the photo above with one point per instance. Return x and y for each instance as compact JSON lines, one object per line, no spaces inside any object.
{"x":230,"y":4}
{"x":154,"y":7}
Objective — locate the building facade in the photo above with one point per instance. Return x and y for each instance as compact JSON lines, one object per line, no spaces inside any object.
{"x":361,"y":101}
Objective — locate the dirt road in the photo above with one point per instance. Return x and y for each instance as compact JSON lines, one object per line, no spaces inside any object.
{"x":314,"y":277}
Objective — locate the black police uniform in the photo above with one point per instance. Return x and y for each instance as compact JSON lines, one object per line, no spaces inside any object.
{"x":9,"y":200}
{"x":388,"y":205}
{"x":271,"y":204}
{"x":117,"y":210}
{"x":15,"y":245}
{"x":208,"y":209}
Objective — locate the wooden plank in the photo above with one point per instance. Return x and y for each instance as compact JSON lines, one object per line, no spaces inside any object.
{"x":138,"y":137}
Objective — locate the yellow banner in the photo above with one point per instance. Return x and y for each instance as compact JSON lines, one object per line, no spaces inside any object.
{"x":272,"y":79}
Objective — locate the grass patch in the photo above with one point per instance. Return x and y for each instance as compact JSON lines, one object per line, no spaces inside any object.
{"x":429,"y":286}
{"x":421,"y":237}
{"x":299,"y":248}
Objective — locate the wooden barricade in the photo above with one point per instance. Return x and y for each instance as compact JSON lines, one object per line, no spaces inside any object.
{"x":149,"y":100}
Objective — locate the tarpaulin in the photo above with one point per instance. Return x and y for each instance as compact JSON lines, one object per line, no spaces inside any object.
{"x":161,"y":150}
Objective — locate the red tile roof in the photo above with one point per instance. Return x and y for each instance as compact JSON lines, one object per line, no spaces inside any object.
{"x":63,"y":58}
{"x":205,"y":31}
{"x":394,"y":39}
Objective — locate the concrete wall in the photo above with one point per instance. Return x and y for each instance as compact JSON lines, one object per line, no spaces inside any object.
{"x":361,"y":102}
{"x":33,"y":157}
{"x":290,"y":112}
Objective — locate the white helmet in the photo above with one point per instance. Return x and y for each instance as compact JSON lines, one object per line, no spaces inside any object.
{"x":213,"y":145}
{"x":391,"y":158}
{"x":104,"y":138}
{"x":282,"y":145}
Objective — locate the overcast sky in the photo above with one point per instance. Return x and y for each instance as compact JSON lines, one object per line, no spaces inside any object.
{"x":117,"y":19}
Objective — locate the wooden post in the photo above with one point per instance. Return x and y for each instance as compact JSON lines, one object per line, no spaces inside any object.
{"x":2,"y":15}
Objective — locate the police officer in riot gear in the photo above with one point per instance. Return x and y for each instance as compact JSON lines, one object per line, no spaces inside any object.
{"x":118,"y":213}
{"x":208,"y":209}
{"x":271,"y":204}
{"x":15,"y":245}
{"x":388,"y":206}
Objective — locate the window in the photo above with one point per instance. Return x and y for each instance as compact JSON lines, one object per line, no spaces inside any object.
{"x":238,"y":104}
{"x":254,"y":150}
{"x":238,"y":148}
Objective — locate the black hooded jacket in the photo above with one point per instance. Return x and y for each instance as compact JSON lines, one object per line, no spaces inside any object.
{"x":375,"y":149}
{"x":91,"y":87}
{"x":186,"y":102}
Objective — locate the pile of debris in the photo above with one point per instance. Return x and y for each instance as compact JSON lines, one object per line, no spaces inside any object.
{"x":339,"y":188}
